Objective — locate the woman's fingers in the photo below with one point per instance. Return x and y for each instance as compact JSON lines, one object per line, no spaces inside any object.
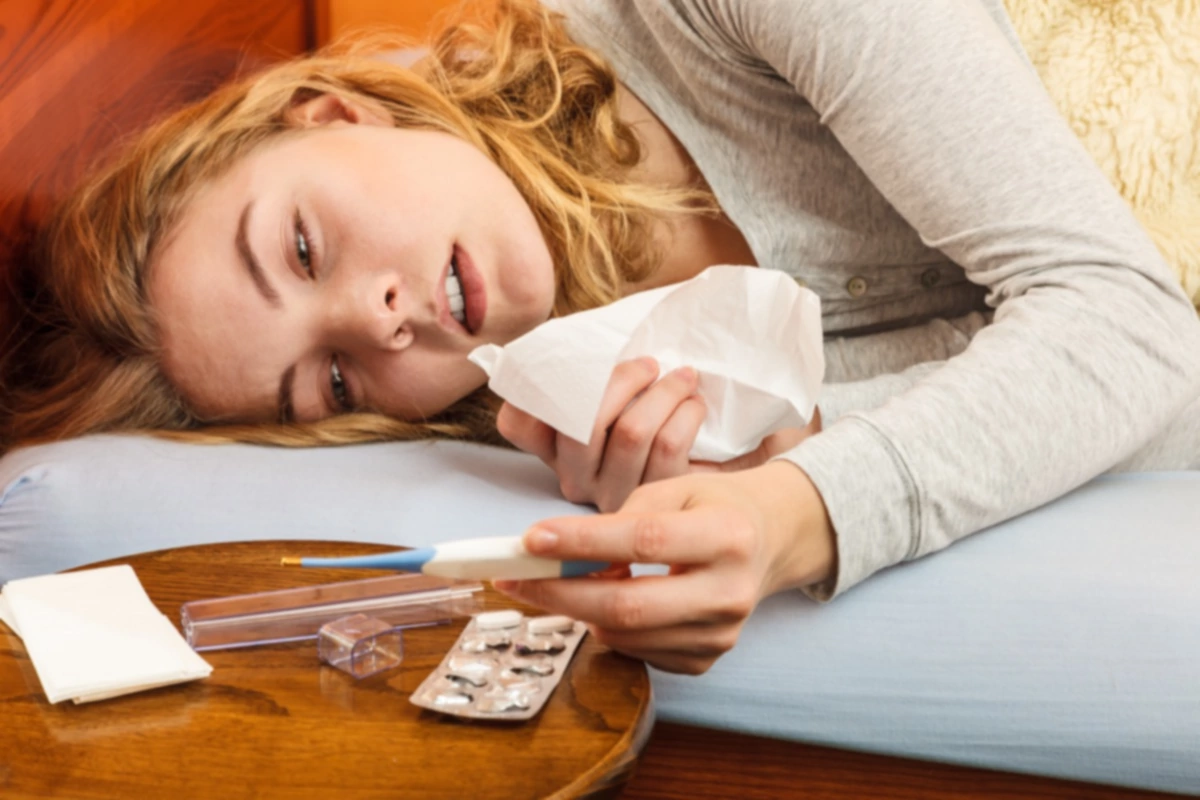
{"x":669,"y":452}
{"x":637,"y":604}
{"x":698,"y":536}
{"x":678,"y":623}
{"x":527,"y":433}
{"x":578,"y":464}
{"x":681,"y":662}
{"x":648,"y":431}
{"x":636,"y":425}
{"x":694,"y":639}
{"x":644,"y":430}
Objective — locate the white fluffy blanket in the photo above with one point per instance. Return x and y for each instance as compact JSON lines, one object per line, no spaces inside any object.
{"x":1126,"y":74}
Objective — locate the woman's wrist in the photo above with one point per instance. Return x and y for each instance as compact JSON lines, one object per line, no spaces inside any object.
{"x":800,"y":532}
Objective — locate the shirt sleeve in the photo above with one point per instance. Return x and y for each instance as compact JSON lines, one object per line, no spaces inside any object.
{"x":1093,"y":346}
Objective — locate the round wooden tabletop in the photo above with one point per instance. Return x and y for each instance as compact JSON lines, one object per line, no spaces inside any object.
{"x":274,"y":722}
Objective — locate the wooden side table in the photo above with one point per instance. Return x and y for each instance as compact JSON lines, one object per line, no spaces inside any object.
{"x":274,"y":722}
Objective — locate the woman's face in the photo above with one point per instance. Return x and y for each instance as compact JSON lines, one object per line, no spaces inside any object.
{"x":352,"y":265}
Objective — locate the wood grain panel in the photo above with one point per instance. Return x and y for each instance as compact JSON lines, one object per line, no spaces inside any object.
{"x":77,"y":76}
{"x":685,"y":763}
{"x":413,"y":17}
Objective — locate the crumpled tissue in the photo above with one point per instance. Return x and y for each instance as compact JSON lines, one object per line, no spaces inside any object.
{"x":753,"y":336}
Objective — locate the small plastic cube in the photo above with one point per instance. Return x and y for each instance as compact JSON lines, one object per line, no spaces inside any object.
{"x":360,"y":645}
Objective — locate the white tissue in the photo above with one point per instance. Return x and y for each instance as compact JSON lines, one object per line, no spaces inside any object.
{"x":7,"y":618}
{"x":94,"y":634}
{"x":753,"y":336}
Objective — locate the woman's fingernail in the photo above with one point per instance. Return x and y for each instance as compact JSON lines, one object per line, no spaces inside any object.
{"x":540,"y":539}
{"x":688,"y":374}
{"x":506,"y":586}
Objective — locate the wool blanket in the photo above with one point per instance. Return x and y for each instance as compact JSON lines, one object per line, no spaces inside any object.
{"x":1126,"y":75}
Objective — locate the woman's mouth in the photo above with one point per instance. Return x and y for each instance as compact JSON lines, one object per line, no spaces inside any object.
{"x":465,"y":293}
{"x":454,"y":293}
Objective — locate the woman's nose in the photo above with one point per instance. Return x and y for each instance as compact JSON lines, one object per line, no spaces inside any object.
{"x":378,"y":313}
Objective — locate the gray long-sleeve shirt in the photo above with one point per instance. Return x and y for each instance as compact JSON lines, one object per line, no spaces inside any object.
{"x":901,"y":158}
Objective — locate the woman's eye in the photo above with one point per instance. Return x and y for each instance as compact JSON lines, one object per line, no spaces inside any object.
{"x":303,"y":245}
{"x":338,"y":385}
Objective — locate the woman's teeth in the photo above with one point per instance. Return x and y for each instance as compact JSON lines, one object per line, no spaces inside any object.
{"x":454,"y":294}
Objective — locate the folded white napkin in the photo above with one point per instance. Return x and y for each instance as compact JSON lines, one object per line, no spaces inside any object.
{"x":6,"y":616}
{"x":95,"y":634}
{"x":753,"y":335}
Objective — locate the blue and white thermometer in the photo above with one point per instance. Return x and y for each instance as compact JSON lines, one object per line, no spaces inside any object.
{"x":491,"y":558}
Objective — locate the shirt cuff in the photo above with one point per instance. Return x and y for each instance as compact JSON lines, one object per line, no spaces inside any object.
{"x":871,"y":497}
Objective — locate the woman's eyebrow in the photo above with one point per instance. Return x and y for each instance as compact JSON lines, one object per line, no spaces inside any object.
{"x":242,"y":243}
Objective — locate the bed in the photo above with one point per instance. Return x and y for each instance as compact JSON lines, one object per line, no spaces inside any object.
{"x":1019,"y":685}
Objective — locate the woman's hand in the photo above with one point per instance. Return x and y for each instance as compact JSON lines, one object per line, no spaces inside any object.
{"x":643,"y":433}
{"x":730,"y":539}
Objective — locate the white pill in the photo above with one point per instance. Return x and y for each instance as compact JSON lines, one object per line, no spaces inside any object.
{"x":499,"y":703}
{"x":452,"y":699}
{"x":518,"y":682}
{"x":494,"y":620}
{"x":555,"y":624}
{"x":473,"y":669}
{"x":546,"y":643}
{"x":482,"y":643}
{"x":532,"y":665}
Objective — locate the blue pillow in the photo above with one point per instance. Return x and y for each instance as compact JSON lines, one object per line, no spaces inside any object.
{"x":1064,"y":642}
{"x":100,"y":497}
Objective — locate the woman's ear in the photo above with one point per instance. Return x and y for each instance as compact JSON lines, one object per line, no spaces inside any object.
{"x":325,"y":109}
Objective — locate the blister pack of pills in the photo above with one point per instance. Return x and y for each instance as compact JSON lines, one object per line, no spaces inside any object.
{"x":503,"y":666}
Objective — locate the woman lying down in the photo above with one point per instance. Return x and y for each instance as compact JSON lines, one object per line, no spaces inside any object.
{"x":308,"y":256}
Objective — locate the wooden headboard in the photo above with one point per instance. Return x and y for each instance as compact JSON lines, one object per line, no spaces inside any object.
{"x":76,"y":76}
